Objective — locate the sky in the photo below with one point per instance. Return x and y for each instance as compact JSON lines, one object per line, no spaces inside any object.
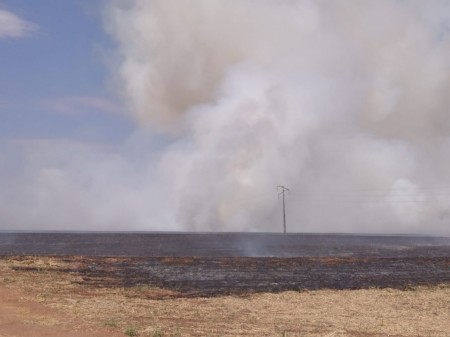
{"x":54,"y":75}
{"x":173,"y":115}
{"x":56,"y":100}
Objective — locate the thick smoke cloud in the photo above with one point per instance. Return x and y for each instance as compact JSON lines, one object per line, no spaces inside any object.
{"x":344,"y":102}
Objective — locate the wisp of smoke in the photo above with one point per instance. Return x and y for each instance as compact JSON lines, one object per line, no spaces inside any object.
{"x":345,"y":102}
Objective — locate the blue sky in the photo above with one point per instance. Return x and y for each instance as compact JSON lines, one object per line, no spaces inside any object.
{"x":54,"y":79}
{"x":71,"y":155}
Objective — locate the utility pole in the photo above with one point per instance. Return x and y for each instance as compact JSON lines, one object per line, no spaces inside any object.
{"x":283,"y":191}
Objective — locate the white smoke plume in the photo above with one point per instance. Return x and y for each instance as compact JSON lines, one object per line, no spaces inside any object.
{"x":344,"y":102}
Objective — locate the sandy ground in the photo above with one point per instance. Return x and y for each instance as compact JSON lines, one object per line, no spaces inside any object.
{"x":55,"y":303}
{"x":22,"y":316}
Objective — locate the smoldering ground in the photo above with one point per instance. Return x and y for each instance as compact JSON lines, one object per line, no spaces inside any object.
{"x":346,"y":103}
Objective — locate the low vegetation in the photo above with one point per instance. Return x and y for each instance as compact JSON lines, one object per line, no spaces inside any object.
{"x":131,"y":331}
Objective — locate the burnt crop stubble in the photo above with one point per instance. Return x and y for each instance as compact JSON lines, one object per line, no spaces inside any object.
{"x":199,"y":276}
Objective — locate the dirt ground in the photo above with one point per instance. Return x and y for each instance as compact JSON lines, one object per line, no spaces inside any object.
{"x":47,"y":301}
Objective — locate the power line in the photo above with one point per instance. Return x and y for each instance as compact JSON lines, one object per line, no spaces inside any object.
{"x":283,"y":191}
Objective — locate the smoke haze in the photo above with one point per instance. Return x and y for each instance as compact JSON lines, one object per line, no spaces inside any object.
{"x":344,"y":102}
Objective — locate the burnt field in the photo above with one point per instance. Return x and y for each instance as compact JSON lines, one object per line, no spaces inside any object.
{"x":236,"y":263}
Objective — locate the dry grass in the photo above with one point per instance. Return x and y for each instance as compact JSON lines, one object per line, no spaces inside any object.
{"x":423,"y":311}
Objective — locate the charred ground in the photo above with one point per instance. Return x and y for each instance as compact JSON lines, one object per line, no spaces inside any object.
{"x":233,"y":263}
